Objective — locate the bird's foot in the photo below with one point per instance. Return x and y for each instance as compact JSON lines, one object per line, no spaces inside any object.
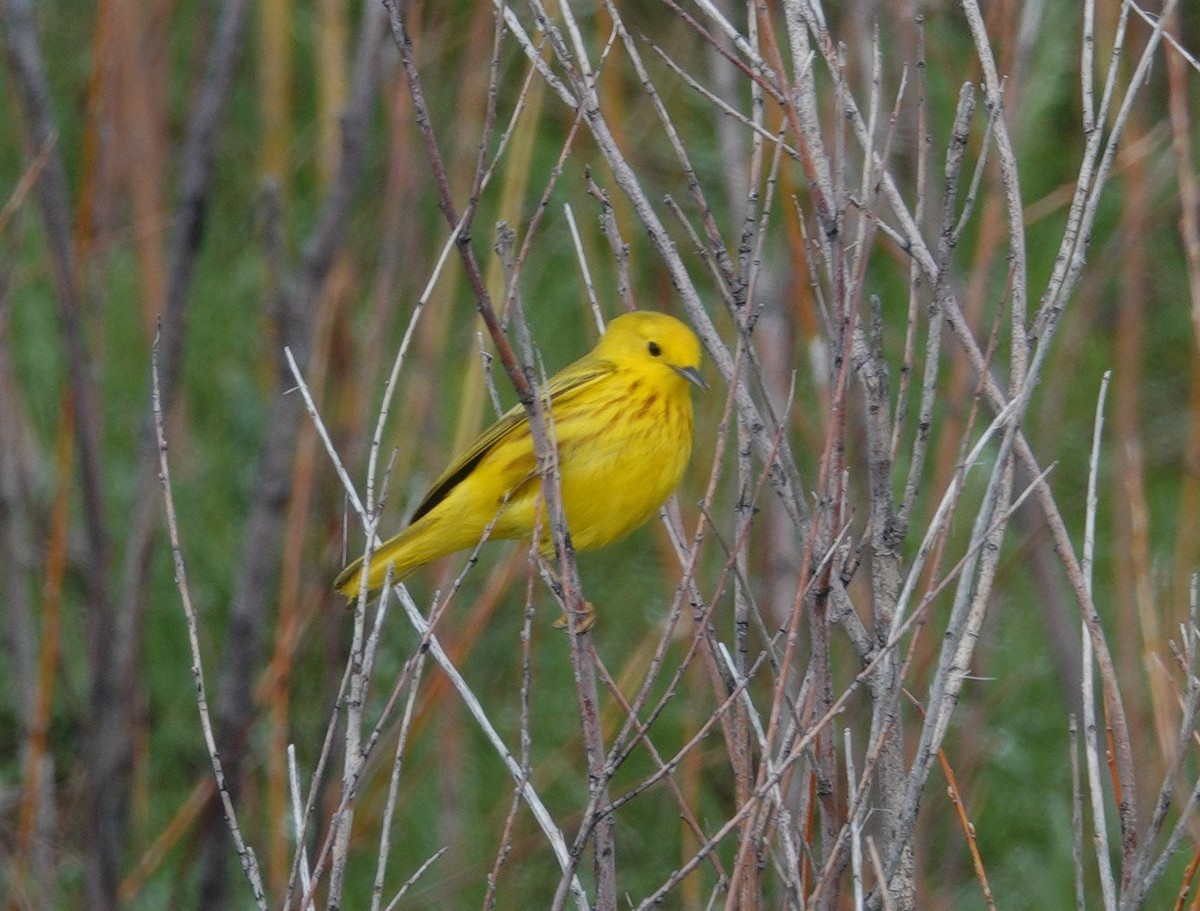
{"x":585,"y":619}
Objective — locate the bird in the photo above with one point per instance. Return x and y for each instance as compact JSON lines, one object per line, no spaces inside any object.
{"x":621,"y":419}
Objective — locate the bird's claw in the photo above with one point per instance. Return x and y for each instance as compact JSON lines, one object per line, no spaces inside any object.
{"x":585,"y":619}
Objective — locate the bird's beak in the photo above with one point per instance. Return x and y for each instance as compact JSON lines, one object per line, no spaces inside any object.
{"x":691,"y":374}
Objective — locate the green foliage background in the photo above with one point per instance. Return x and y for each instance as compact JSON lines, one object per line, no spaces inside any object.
{"x":1009,"y":746}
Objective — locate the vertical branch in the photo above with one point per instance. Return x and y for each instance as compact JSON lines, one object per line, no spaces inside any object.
{"x":1076,"y":814}
{"x":1187,"y":539}
{"x":1019,"y":355}
{"x":110,"y":709}
{"x":573,"y":600}
{"x":1091,"y":732}
{"x":746,"y":880}
{"x":36,"y":708}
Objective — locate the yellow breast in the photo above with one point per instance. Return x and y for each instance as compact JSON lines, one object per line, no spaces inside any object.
{"x":620,"y":465}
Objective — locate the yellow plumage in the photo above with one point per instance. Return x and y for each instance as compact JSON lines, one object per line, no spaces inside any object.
{"x":622,"y":419}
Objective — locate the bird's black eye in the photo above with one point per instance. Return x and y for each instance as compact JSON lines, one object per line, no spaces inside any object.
{"x":654,"y":349}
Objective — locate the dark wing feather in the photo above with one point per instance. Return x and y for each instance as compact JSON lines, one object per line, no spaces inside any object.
{"x":562,"y":386}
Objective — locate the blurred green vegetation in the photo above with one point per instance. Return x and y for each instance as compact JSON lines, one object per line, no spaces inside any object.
{"x":1009,"y":745}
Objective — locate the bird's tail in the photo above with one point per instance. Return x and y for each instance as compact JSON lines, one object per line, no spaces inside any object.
{"x":390,"y":553}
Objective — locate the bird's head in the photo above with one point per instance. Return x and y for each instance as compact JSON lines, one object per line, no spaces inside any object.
{"x":647,"y":338}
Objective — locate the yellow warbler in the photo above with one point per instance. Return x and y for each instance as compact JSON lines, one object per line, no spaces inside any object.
{"x":622,"y":419}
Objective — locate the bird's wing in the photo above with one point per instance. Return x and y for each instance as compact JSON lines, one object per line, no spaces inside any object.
{"x":562,"y":387}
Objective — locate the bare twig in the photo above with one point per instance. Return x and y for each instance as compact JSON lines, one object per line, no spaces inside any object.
{"x":1091,"y":732}
{"x":245,"y":853}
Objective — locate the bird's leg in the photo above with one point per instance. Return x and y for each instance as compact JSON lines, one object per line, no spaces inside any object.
{"x":585,"y":617}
